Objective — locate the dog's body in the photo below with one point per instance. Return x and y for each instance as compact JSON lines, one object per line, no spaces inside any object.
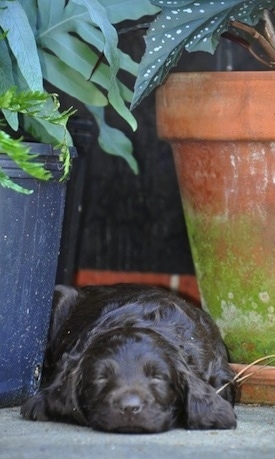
{"x":132,"y":358}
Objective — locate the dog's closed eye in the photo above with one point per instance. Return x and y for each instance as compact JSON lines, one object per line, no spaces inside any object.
{"x":155,"y":370}
{"x":156,"y":374}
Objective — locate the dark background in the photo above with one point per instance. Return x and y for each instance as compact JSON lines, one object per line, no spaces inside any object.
{"x":136,"y":223}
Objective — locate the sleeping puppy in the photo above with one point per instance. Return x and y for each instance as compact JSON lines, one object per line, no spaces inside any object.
{"x":133,"y":358}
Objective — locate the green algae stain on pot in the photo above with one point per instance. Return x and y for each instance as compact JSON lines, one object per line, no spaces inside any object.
{"x":234,"y":262}
{"x":221,"y":129}
{"x":248,"y":335}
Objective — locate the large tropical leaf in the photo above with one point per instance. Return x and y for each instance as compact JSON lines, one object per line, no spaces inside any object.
{"x":69,"y":48}
{"x":20,"y":37}
{"x":89,"y":20}
{"x":6,"y":81}
{"x":70,"y":80}
{"x":75,"y":44}
{"x":73,"y":37}
{"x":112,"y":140}
{"x":193,"y":25}
{"x":99,"y":17}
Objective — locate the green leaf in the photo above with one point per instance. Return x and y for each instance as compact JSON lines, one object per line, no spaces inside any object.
{"x":71,"y":81}
{"x":21,"y":155}
{"x":98,"y":16}
{"x":119,"y":10}
{"x":69,"y":48}
{"x":45,"y":131}
{"x":127,"y":63}
{"x":42,"y":108}
{"x":22,"y":102}
{"x":113,"y":141}
{"x":21,"y":40}
{"x":31,"y":7}
{"x":11,"y":118}
{"x":6,"y":73}
{"x":6,"y":81}
{"x":6,"y":182}
{"x":77,"y":32}
{"x":88,"y":32}
{"x":35,"y":104}
{"x":195,"y":25}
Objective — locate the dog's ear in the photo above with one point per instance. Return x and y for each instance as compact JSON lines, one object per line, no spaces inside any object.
{"x":64,"y":300}
{"x":204,"y":408}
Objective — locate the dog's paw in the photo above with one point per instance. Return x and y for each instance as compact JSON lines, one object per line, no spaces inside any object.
{"x":35,"y":408}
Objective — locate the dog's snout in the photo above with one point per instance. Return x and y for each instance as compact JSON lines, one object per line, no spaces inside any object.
{"x":129,"y":404}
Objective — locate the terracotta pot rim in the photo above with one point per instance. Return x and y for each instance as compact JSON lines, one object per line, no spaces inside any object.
{"x":259,"y":388}
{"x":217,"y":106}
{"x":259,"y":372}
{"x":228,"y":75}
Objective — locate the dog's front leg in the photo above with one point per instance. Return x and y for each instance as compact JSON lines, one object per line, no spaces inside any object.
{"x":58,"y":401}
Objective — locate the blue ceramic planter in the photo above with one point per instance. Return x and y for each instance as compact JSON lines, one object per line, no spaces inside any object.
{"x":30,"y":231}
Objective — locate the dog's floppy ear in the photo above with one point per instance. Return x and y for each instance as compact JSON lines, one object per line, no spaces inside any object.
{"x":64,"y":301}
{"x":204,"y":408}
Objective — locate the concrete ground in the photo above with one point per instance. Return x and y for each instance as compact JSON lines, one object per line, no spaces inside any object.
{"x":254,"y":438}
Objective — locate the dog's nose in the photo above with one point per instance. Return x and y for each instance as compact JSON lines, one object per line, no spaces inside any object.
{"x":130,"y":403}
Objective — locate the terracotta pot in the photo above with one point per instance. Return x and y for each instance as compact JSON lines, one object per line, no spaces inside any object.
{"x":259,"y":387}
{"x":222,"y":130}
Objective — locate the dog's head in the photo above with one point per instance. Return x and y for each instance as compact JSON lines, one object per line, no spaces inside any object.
{"x":138,"y":381}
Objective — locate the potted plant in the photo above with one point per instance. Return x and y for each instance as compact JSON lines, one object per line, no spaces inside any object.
{"x":72,"y":45}
{"x":221,"y":127}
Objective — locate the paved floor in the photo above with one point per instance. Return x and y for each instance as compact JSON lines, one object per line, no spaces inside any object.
{"x":254,"y":438}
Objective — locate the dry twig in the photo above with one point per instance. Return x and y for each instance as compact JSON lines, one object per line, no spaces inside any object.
{"x":240,"y":377}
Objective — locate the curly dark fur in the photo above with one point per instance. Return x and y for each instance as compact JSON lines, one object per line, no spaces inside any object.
{"x":132,"y":358}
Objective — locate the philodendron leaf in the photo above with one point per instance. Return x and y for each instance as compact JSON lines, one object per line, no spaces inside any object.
{"x":193,"y":25}
{"x":112,"y":140}
{"x":6,"y":81}
{"x":31,"y":7}
{"x":99,"y":17}
{"x":68,"y":79}
{"x":21,"y":40}
{"x":72,"y":35}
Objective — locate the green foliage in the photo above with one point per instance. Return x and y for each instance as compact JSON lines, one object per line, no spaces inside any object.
{"x":43,"y":107}
{"x":193,"y":25}
{"x":112,"y":140}
{"x":72,"y":44}
{"x":16,"y":150}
